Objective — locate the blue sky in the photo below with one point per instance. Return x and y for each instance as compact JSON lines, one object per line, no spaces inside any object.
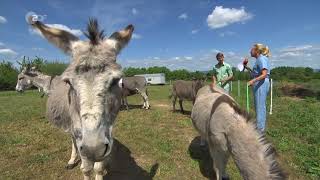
{"x":176,"y":34}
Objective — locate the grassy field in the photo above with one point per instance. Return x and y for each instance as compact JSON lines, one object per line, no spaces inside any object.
{"x":153,"y":144}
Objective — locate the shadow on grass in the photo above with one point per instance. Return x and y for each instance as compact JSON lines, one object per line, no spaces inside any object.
{"x":202,"y":155}
{"x":184,"y":113}
{"x":132,"y":106}
{"x":122,"y":165}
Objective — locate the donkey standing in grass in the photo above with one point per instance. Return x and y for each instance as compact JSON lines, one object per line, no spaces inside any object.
{"x":85,"y":99}
{"x":30,"y":76}
{"x":134,"y":85}
{"x":185,"y":90}
{"x":225,"y":127}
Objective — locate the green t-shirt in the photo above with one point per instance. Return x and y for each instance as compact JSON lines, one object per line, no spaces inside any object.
{"x":222,"y":72}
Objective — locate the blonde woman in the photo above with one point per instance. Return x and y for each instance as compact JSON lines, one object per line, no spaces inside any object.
{"x":260,"y":82}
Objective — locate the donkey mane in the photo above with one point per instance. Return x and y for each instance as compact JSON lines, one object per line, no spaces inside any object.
{"x":232,"y":103}
{"x":270,"y":154}
{"x":93,"y":31}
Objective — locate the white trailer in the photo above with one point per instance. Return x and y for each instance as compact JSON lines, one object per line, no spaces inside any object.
{"x":156,"y":79}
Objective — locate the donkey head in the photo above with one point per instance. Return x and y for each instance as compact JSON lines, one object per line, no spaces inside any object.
{"x":25,"y":78}
{"x":92,"y":77}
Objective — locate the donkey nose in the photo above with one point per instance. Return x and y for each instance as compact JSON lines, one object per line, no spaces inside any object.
{"x":95,"y":153}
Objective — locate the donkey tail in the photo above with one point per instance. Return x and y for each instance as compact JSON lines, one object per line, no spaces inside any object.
{"x":253,"y":155}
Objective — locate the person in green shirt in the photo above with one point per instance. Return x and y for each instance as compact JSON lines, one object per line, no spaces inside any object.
{"x":222,"y":72}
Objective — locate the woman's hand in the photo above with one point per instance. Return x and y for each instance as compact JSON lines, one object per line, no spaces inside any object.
{"x":245,"y":62}
{"x":251,"y":82}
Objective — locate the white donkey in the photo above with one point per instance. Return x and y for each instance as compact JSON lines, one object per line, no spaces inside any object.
{"x":226,"y":128}
{"x":85,"y":99}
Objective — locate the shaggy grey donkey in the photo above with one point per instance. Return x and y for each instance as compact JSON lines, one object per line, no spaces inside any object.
{"x":85,"y":99}
{"x":226,"y":129}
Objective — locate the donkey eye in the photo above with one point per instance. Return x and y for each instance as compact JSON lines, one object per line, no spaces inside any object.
{"x":114,"y":82}
{"x":21,"y":78}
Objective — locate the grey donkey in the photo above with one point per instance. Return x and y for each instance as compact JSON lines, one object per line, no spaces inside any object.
{"x":30,"y":76}
{"x":185,"y":90}
{"x":226,"y":129}
{"x":85,"y":100}
{"x":134,"y":85}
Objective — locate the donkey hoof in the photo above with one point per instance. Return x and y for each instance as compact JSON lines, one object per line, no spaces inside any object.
{"x":71,"y":166}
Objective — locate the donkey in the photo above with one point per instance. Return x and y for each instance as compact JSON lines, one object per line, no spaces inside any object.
{"x":185,"y":90}
{"x":226,"y":129}
{"x":85,"y":100}
{"x":29,"y":77}
{"x":134,"y":85}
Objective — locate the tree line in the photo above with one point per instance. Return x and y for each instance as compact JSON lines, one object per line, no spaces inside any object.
{"x":9,"y":73}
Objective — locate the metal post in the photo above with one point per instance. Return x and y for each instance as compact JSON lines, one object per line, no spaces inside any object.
{"x":271,"y":87}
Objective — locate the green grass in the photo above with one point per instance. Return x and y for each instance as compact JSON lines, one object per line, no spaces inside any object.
{"x":31,"y":148}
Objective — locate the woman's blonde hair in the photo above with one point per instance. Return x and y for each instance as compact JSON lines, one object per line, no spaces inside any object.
{"x":262,"y":49}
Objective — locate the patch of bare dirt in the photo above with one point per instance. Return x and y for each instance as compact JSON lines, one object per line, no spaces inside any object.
{"x":298,"y":91}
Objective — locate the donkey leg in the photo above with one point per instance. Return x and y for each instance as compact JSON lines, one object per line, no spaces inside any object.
{"x":126,"y":103}
{"x":181,"y":107}
{"x":100,"y":170}
{"x":219,"y":154}
{"x":174,"y":103}
{"x":145,"y":99}
{"x":86,"y":168}
{"x":72,"y":162}
{"x":202,"y":141}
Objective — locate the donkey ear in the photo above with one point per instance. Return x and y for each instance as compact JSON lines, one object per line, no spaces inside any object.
{"x":120,"y":39}
{"x":60,"y":38}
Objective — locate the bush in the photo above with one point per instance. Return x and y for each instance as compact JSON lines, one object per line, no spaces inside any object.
{"x":8,"y":76}
{"x":53,"y":68}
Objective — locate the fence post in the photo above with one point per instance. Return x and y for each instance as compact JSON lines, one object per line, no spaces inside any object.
{"x":248,"y":106}
{"x":238,"y":88}
{"x":271,"y":93}
{"x":231,"y":86}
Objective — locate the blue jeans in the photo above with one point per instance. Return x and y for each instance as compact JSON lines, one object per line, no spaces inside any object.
{"x":261,"y":90}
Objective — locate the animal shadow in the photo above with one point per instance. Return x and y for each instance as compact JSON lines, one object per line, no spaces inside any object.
{"x":131,"y":106}
{"x":202,"y":155}
{"x":184,"y":113}
{"x":122,"y":165}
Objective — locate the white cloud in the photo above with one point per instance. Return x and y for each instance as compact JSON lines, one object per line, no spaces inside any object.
{"x":1,"y":44}
{"x":195,"y":31}
{"x":37,"y":49}
{"x":296,"y":48}
{"x":298,"y":56}
{"x":3,"y":20}
{"x":227,"y":33}
{"x":134,"y":11}
{"x":301,"y":55}
{"x":76,"y":32}
{"x":183,"y":16}
{"x":7,"y":52}
{"x":136,"y":36}
{"x":221,"y":17}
